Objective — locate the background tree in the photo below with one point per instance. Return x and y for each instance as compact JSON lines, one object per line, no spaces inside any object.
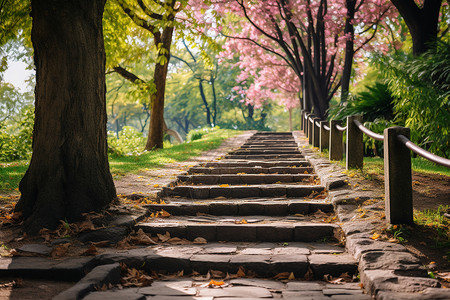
{"x":422,"y":18}
{"x":69,"y":173}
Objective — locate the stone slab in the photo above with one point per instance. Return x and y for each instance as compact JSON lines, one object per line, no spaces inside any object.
{"x":236,"y":291}
{"x":169,"y":288}
{"x":128,"y":294}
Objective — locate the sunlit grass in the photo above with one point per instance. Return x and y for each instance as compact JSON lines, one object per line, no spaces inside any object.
{"x":178,"y":152}
{"x":11,"y":173}
{"x":435,"y":222}
{"x":375,"y":165}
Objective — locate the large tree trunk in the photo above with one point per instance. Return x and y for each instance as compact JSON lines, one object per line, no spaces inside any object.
{"x":156,"y":128}
{"x":422,"y":22}
{"x":69,"y":172}
{"x":349,"y":50}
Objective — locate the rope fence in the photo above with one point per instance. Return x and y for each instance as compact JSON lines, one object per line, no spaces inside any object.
{"x":397,"y":157}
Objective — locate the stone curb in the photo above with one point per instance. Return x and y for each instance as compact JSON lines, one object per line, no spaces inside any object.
{"x":99,"y":276}
{"x":388,"y":271}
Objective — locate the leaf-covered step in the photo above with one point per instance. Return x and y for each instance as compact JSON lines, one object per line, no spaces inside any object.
{"x":274,"y":190}
{"x":240,"y":207}
{"x":263,"y":152}
{"x":246,"y":178}
{"x":265,"y":156}
{"x":251,"y":170}
{"x":264,"y":164}
{"x":241,"y":229}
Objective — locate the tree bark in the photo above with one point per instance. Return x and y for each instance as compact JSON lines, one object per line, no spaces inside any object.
{"x":349,"y":50}
{"x":422,"y":22}
{"x":69,"y":171}
{"x":156,"y":129}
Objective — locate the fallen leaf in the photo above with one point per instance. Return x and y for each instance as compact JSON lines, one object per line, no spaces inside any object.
{"x":283,"y":275}
{"x":143,"y":239}
{"x":164,"y":237}
{"x":240,"y":272}
{"x":91,"y":251}
{"x":86,"y":226}
{"x":200,"y":240}
{"x":101,"y":244}
{"x":243,"y":221}
{"x":217,"y":274}
{"x":375,"y":236}
{"x":224,"y":185}
{"x":123,"y":244}
{"x":213,"y":283}
{"x":291,"y":276}
{"x":164,"y":214}
{"x":60,"y":250}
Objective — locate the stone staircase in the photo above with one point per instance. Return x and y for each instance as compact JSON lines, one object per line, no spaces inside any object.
{"x":260,"y":210}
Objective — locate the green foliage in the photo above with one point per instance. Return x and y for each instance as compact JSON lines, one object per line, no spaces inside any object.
{"x":372,"y":103}
{"x":374,"y":165}
{"x":15,"y":146}
{"x":435,"y":222}
{"x":130,"y":142}
{"x":421,"y":86}
{"x":197,"y":134}
{"x":11,"y":174}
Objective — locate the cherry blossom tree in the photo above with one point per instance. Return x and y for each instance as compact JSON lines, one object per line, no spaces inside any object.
{"x":295,"y":47}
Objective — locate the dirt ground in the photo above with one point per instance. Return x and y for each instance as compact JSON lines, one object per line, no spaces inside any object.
{"x":430,"y":191}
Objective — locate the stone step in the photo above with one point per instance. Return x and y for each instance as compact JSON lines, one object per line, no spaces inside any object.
{"x":273,"y":190}
{"x":228,"y":229}
{"x":265,"y":156}
{"x":241,"y":288}
{"x":271,"y":147}
{"x":251,"y":170}
{"x":284,"y":142}
{"x":246,"y":179}
{"x":241,"y":207}
{"x":263,"y":259}
{"x":264,"y":164}
{"x":263,"y":152}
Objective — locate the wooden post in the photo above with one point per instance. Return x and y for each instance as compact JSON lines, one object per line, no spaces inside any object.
{"x":324,"y":136}
{"x":302,"y":114}
{"x":397,"y":177}
{"x":336,"y":148}
{"x":310,"y":129}
{"x":316,"y":133}
{"x":355,"y":146}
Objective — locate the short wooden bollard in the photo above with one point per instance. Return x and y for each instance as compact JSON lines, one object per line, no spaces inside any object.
{"x":324,"y":136}
{"x":310,"y":129}
{"x":335,"y":144}
{"x":316,"y":133}
{"x":397,"y":177}
{"x":355,"y":147}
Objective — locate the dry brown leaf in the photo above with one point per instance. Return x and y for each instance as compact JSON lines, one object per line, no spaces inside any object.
{"x":101,"y":244}
{"x":217,"y":274}
{"x":164,"y":214}
{"x":200,"y":241}
{"x":142,"y":238}
{"x":91,"y":251}
{"x":320,"y":214}
{"x":137,"y":278}
{"x":164,"y":237}
{"x":60,"y":250}
{"x":178,"y":241}
{"x":123,"y":244}
{"x":243,"y":221}
{"x":241,"y":272}
{"x":283,"y":275}
{"x":291,"y":276}
{"x":444,"y":276}
{"x":309,"y":275}
{"x":86,"y":226}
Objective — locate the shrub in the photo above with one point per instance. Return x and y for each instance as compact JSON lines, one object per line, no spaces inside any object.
{"x":421,"y":86}
{"x":14,"y":146}
{"x":130,"y":142}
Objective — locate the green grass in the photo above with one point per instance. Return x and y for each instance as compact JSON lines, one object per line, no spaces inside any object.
{"x":181,"y":152}
{"x":11,"y":173}
{"x":418,"y":164}
{"x":435,"y":222}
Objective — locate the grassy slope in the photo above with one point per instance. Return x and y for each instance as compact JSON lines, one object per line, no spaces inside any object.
{"x":11,"y":173}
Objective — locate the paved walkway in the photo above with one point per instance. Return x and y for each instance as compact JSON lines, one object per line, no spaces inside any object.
{"x":268,"y":220}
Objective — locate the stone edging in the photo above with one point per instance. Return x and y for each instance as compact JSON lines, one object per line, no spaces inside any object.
{"x":387,"y":270}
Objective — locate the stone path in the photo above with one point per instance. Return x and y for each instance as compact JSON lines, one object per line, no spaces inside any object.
{"x":263,"y":211}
